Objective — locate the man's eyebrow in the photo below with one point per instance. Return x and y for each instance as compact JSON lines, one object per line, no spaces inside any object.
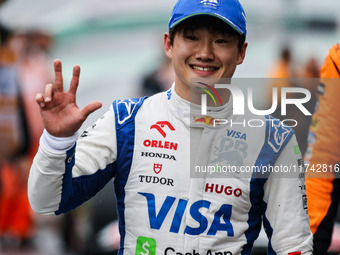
{"x":188,"y":31}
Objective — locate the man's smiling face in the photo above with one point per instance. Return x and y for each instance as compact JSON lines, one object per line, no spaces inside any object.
{"x":201,"y":53}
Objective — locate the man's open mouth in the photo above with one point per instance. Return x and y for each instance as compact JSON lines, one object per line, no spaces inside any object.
{"x":206,"y":69}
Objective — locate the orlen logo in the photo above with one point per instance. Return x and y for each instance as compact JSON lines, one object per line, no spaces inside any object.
{"x":220,"y":222}
{"x":219,"y":189}
{"x":160,"y":144}
{"x":160,"y":125}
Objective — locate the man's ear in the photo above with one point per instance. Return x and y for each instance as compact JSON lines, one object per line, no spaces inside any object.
{"x":167,"y":45}
{"x":242,"y":53}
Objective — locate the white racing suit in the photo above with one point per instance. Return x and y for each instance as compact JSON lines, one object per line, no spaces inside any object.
{"x":175,"y":193}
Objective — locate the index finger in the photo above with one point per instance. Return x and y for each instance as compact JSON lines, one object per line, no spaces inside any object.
{"x":58,"y":75}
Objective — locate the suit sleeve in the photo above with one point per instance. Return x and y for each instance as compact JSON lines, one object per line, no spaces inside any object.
{"x":286,"y":217}
{"x":61,"y":179}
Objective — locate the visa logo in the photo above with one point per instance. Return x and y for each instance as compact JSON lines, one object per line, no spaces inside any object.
{"x":157,"y":219}
{"x":240,"y":135}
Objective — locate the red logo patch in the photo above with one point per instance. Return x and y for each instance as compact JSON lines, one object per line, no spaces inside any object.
{"x":157,"y":168}
{"x":160,"y":125}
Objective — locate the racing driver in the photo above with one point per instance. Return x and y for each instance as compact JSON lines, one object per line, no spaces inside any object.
{"x":148,"y":146}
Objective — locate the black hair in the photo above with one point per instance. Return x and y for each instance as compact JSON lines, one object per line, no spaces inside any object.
{"x":213,"y":24}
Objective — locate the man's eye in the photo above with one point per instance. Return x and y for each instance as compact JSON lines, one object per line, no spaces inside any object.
{"x":221,"y":41}
{"x":191,"y":37}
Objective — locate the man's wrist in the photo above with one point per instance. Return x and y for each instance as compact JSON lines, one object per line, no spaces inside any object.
{"x":58,"y":144}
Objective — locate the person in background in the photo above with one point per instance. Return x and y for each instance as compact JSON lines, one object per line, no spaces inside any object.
{"x":280,"y":75}
{"x":23,"y":72}
{"x":16,"y":222}
{"x":308,"y":78}
{"x":159,"y":79}
{"x":323,"y":154}
{"x":284,"y":66}
{"x":287,"y":73}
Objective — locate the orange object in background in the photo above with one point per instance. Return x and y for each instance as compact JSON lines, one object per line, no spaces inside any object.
{"x":323,"y":153}
{"x":15,"y":213}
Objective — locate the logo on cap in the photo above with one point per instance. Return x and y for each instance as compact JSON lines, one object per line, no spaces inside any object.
{"x":211,"y":3}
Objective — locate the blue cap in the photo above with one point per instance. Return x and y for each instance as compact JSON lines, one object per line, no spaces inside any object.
{"x":230,"y":11}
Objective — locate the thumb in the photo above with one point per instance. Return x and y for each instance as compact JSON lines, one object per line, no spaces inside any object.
{"x":90,"y":108}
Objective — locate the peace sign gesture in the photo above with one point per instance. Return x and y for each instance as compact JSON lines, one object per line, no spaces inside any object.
{"x":59,"y":112}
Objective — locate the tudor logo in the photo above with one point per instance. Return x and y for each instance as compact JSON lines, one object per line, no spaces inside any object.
{"x":160,"y":125}
{"x":157,"y":168}
{"x":156,"y":180}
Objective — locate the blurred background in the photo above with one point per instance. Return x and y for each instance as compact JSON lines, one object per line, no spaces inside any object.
{"x":119,"y":46}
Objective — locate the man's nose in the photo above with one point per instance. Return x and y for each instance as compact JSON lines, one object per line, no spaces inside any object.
{"x":205,"y":51}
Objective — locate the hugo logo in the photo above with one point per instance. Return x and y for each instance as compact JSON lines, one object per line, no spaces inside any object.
{"x":228,"y":190}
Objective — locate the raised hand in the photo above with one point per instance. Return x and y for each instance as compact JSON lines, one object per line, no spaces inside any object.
{"x":60,"y":114}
